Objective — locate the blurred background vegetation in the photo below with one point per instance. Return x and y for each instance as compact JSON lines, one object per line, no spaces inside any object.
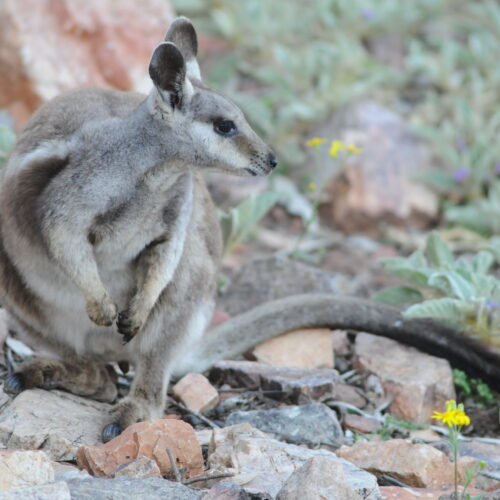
{"x":291,"y":63}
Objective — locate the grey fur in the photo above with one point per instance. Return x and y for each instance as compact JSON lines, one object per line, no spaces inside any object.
{"x":103,"y":210}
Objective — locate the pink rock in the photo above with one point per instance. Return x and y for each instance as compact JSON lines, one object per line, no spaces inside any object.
{"x":49,"y":47}
{"x":419,"y":465}
{"x":307,"y":348}
{"x":138,"y":468}
{"x":361,"y":424}
{"x":196,"y":392}
{"x":150,"y":439}
{"x":419,"y":383}
{"x":379,"y":183}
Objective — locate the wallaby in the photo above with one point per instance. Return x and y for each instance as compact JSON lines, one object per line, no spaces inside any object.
{"x":107,"y":228}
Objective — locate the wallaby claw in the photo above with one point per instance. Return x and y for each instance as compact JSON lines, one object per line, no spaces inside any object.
{"x":110,"y":431}
{"x":128,"y":326}
{"x":14,"y":384}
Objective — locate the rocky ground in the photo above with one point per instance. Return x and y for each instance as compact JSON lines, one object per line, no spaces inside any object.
{"x":308,"y":415}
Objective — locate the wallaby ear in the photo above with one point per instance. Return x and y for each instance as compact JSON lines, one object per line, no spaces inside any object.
{"x":167,"y":69}
{"x":181,"y":32}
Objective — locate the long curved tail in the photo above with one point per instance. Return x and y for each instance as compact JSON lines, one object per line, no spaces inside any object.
{"x":244,"y":331}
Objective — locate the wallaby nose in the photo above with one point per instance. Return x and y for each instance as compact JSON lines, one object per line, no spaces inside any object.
{"x":271,"y":160}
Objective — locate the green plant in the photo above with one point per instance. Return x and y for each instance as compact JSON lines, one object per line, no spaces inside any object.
{"x":239,"y":221}
{"x":454,"y":62}
{"x":7,"y":139}
{"x":460,"y":291}
{"x":481,"y":214}
{"x":393,"y":425}
{"x":473,"y":387}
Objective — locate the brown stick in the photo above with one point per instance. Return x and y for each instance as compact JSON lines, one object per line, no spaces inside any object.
{"x":206,"y":477}
{"x":177,"y":474}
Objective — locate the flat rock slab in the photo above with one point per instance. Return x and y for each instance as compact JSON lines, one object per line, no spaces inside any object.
{"x":262,"y":465}
{"x":418,"y":465}
{"x":19,"y":468}
{"x":52,"y":491}
{"x":318,"y":478}
{"x":54,"y":421}
{"x":296,"y":382}
{"x":420,"y":383}
{"x":312,"y":424}
{"x":131,"y":489}
{"x":305,"y":348}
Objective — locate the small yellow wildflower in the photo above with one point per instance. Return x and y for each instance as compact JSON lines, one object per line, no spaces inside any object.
{"x":312,"y":187}
{"x":353,"y":149}
{"x":315,"y":142}
{"x":342,"y":146}
{"x":335,"y":148}
{"x":454,"y":415}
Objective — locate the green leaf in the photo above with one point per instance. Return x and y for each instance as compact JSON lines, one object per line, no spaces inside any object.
{"x":444,"y":308}
{"x":398,"y":295}
{"x":441,"y":181}
{"x":482,"y":262}
{"x":437,"y":251}
{"x":239,"y":221}
{"x":417,"y":277}
{"x":452,"y":283}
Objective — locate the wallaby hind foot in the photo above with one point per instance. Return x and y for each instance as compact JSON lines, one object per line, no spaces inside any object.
{"x":79,"y":376}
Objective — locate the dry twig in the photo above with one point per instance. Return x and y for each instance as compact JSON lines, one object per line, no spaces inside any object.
{"x":206,"y":477}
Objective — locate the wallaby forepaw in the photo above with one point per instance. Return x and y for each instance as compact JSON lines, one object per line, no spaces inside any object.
{"x":129,"y":324}
{"x":102,"y":313}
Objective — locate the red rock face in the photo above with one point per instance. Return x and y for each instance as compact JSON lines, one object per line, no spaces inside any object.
{"x":50,"y":46}
{"x":149,"y":439}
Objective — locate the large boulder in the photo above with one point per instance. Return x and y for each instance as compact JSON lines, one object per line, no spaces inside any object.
{"x":48,"y":47}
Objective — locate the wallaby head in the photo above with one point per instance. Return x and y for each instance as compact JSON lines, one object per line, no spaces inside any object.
{"x":209,"y":130}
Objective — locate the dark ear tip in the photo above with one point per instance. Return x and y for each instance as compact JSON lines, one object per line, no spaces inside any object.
{"x":167,"y":67}
{"x":165,"y":54}
{"x":181,"y":29}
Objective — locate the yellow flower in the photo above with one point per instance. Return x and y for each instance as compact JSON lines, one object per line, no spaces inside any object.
{"x":342,"y":146}
{"x":461,"y":418}
{"x":335,"y":148}
{"x":353,"y":149}
{"x":315,"y":142}
{"x":454,"y":415}
{"x":312,"y":187}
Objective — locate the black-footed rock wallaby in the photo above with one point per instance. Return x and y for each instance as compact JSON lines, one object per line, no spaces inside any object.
{"x":107,"y":228}
{"x":110,"y":244}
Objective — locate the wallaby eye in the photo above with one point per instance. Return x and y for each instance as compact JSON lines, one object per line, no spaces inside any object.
{"x":226,"y":128}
